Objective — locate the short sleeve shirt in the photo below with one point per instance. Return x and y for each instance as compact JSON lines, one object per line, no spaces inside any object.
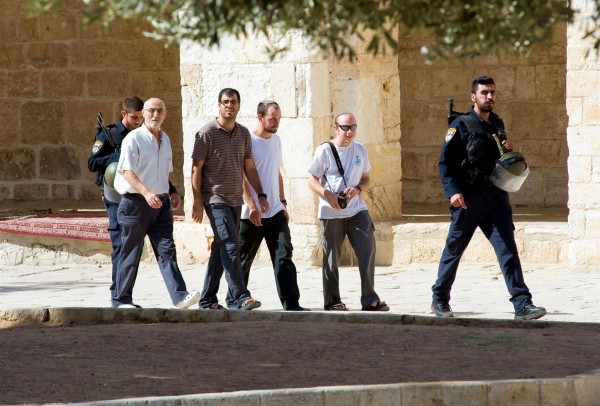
{"x":355,"y":162}
{"x":223,"y":154}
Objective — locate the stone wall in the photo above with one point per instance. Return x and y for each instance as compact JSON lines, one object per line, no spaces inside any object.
{"x":531,"y":101}
{"x":583,"y":101}
{"x":55,"y":76}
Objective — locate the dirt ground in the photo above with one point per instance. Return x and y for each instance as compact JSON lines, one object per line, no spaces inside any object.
{"x":86,"y":363}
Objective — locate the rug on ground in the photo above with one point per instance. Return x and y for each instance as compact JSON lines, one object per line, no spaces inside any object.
{"x":82,"y":226}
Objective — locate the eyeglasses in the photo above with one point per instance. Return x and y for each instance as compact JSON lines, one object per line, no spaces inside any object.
{"x":228,"y":102}
{"x":157,"y":111}
{"x":347,"y":128}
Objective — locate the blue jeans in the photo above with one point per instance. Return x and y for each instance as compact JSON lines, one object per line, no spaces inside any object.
{"x":138,"y":219}
{"x":492,"y":213}
{"x":114,"y":231}
{"x":276,"y":233}
{"x":224,"y":255}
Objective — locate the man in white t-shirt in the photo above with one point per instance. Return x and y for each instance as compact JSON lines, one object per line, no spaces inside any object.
{"x":342,"y":212}
{"x":271,"y":226}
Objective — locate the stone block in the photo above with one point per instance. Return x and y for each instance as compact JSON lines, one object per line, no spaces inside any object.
{"x":9,"y":117}
{"x":169,"y":58}
{"x":168,"y":85}
{"x":465,"y":393}
{"x":579,"y":169}
{"x":283,"y":77}
{"x":88,"y":191}
{"x":93,"y":54}
{"x":107,"y":83}
{"x":12,"y":56}
{"x":45,"y":55}
{"x":587,"y":388}
{"x":422,"y":394}
{"x":40,"y":119}
{"x":296,"y":397}
{"x":63,"y":84}
{"x":585,"y":252}
{"x":582,"y":140}
{"x":413,"y":164}
{"x":31,"y":191}
{"x":80,"y":122}
{"x":427,"y":250}
{"x":24,"y":84}
{"x":58,"y":26}
{"x":302,"y":202}
{"x":191,"y":90}
{"x":385,"y":200}
{"x":8,"y":29}
{"x":550,"y":81}
{"x":62,"y":192}
{"x":542,"y":252}
{"x":144,"y":85}
{"x":556,"y":392}
{"x":59,"y":164}
{"x":253,"y":81}
{"x":418,"y":130}
{"x":525,"y":77}
{"x":513,"y":393}
{"x":591,"y":115}
{"x":584,"y":196}
{"x":17,"y":165}
{"x":545,"y":153}
{"x":297,"y":146}
{"x":313,"y":88}
{"x":385,"y":162}
{"x":579,"y":82}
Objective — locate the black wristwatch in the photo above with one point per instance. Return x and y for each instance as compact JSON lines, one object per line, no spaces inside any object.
{"x":358,"y":188}
{"x":262,"y":195}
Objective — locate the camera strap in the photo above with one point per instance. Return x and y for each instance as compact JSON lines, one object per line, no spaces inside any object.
{"x":338,"y":161}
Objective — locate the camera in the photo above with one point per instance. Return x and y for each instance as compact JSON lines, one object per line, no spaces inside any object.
{"x":343,"y":203}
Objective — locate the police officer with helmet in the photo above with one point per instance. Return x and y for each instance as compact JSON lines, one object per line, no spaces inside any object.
{"x":473,"y":180}
{"x":103,"y":161}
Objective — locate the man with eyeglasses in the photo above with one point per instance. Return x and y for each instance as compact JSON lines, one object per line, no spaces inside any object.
{"x":222,"y":156}
{"x":145,"y":209}
{"x":106,"y":151}
{"x":271,"y":226}
{"x":339,"y":174}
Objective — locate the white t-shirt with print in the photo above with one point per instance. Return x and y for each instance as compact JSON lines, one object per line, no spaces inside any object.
{"x":355,"y":163}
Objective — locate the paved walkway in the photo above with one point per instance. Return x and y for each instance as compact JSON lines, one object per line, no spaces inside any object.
{"x":479,"y":291}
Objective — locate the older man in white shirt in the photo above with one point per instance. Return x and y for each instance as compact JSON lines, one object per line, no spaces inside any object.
{"x":145,"y":209}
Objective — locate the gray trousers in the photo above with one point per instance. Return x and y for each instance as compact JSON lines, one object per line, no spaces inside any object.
{"x":361,"y":234}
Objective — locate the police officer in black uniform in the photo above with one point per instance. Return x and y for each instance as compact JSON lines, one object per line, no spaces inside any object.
{"x":473,"y":143}
{"x":105,"y":151}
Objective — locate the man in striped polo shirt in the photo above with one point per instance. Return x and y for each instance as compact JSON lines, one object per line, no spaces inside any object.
{"x":222,"y":156}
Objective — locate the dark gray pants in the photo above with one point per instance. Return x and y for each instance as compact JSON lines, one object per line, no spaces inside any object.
{"x":224,"y":255}
{"x":361,"y":234}
{"x":137,"y":219}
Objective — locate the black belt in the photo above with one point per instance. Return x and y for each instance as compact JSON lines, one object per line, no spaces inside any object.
{"x":140,"y":196}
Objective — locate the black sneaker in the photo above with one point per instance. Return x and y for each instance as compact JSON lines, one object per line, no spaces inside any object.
{"x":530,"y":312}
{"x":441,"y":309}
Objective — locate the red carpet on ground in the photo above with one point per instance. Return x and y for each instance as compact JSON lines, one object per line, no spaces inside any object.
{"x":77,"y":225}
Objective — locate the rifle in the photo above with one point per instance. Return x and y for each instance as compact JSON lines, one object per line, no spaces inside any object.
{"x":452,"y":114}
{"x":101,"y":127}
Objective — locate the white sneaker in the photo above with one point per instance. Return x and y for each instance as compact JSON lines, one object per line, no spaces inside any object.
{"x":127,"y":306}
{"x":191,"y":299}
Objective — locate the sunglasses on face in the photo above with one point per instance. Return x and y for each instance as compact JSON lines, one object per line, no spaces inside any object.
{"x":228,"y":102}
{"x":347,"y":128}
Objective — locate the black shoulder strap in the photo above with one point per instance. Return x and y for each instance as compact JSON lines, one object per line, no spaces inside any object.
{"x":114,"y":137}
{"x":338,"y":161}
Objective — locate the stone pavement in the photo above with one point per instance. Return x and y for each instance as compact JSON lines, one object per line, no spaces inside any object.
{"x":479,"y":290}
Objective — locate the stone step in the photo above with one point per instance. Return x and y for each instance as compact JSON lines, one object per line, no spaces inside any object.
{"x":418,"y":237}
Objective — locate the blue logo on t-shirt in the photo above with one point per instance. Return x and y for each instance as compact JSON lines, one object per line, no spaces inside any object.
{"x":357,"y":160}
